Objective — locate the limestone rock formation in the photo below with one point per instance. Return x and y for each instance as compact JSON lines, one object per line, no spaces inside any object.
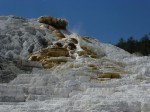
{"x":46,"y":68}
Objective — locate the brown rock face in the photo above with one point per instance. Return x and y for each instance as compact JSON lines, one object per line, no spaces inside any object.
{"x":58,"y":34}
{"x":51,"y":62}
{"x":58,"y":45}
{"x":71,"y":46}
{"x":50,"y":57}
{"x":35,"y":57}
{"x":110,"y":75}
{"x":55,"y":22}
{"x":55,"y":52}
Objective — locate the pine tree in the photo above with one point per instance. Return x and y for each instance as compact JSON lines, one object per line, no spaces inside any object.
{"x":134,"y":46}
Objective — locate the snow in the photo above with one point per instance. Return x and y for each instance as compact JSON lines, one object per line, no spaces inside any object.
{"x":73,"y":86}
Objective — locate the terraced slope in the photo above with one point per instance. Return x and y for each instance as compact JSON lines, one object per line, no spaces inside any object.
{"x":44,"y":68}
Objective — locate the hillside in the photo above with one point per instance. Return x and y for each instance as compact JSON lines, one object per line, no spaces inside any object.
{"x":46,"y":68}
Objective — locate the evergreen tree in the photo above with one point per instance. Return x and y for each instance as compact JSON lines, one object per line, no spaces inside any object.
{"x":145,"y":45}
{"x":134,"y":46}
{"x":121,"y":43}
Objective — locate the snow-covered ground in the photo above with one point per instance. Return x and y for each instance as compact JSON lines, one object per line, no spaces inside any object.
{"x":74,"y":86}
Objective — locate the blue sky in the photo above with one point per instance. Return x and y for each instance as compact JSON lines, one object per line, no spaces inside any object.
{"x":107,"y":20}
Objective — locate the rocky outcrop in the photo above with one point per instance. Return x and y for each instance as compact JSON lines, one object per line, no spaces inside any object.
{"x":55,"y":22}
{"x":68,"y":47}
{"x":50,"y":57}
{"x":59,"y":35}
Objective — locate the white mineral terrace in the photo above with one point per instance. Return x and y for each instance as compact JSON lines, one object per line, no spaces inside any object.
{"x":75,"y":85}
